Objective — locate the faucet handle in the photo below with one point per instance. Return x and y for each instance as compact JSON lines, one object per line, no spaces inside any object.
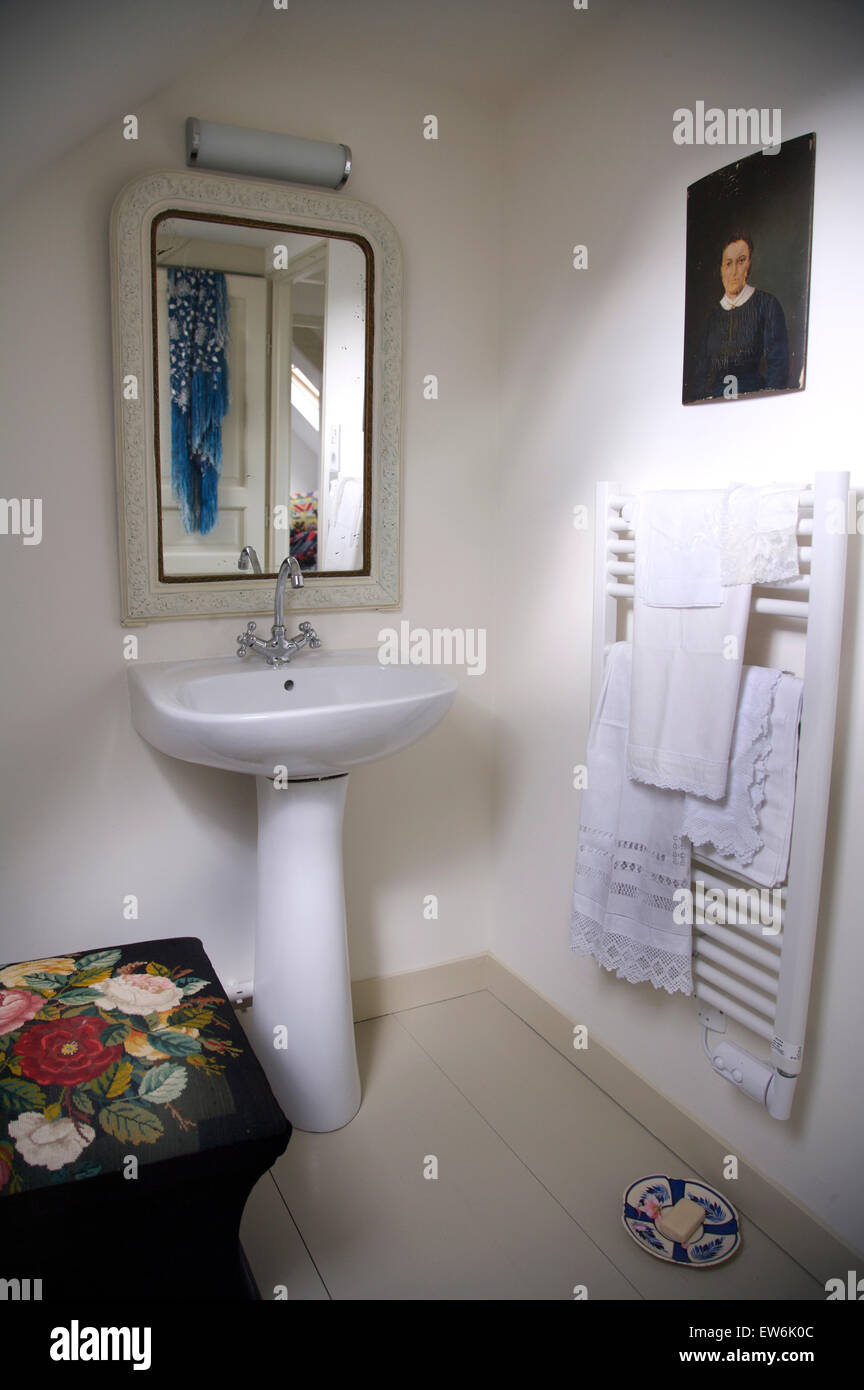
{"x":312,"y":638}
{"x":245,"y":639}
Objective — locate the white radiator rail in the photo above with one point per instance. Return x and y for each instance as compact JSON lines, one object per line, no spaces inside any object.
{"x":754,"y":974}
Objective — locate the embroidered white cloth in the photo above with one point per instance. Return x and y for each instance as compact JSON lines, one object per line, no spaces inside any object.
{"x":631,"y":856}
{"x":686,"y":673}
{"x":749,"y":831}
{"x":688,"y":645}
{"x":678,"y":548}
{"x":759,"y":534}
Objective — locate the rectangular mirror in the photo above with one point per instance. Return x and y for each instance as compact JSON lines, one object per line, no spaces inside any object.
{"x":257,"y":351}
{"x":265,"y":329}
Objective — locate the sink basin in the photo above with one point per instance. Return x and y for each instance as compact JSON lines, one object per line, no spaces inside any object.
{"x":343,"y":709}
{"x":319,"y":717}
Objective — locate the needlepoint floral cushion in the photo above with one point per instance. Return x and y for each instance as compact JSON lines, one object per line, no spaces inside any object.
{"x":127,"y":1050}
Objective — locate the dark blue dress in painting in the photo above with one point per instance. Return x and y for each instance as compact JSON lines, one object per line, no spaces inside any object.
{"x":748,"y":342}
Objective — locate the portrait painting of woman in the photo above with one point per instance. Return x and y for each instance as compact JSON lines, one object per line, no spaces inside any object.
{"x":748,"y":276}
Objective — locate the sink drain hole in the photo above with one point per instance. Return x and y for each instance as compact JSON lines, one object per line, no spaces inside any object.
{"x":289,"y":685}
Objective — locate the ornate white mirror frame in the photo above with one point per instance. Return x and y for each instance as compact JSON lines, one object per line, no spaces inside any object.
{"x":145,"y":597}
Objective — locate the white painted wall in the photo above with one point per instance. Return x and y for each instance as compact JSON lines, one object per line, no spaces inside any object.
{"x":89,"y":812}
{"x":591,"y":387}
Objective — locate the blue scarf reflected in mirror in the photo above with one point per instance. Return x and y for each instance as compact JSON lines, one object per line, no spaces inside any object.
{"x":198,"y":342}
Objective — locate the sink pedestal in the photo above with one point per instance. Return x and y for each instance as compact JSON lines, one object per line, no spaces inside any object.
{"x":302,"y":1022}
{"x":338,"y":711}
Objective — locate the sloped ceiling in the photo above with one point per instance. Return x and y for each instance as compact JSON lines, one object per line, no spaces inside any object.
{"x":67,"y":67}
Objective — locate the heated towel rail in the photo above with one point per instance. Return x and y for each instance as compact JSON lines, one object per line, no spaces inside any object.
{"x":761,"y":981}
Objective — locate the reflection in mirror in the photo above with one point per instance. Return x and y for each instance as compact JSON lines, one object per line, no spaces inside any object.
{"x":262,"y":372}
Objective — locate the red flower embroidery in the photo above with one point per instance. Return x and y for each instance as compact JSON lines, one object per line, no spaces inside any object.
{"x":66,"y":1052}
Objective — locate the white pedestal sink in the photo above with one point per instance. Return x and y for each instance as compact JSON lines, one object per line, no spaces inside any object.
{"x":306,"y":725}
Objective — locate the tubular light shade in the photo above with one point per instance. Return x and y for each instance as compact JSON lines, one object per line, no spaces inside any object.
{"x":235,"y":149}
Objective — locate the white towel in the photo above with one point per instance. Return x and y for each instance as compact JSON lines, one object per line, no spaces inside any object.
{"x":631,"y":857}
{"x":678,"y":548}
{"x":759,"y":534}
{"x":687,"y":658}
{"x":686,"y":673}
{"x":750,"y":830}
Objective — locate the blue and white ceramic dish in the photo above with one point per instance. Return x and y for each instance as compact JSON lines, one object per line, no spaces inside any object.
{"x":716,"y":1239}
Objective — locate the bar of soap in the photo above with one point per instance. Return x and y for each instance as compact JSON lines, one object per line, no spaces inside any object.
{"x":679,"y":1222}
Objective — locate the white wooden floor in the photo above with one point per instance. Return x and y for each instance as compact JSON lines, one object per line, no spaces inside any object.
{"x":532,"y":1163}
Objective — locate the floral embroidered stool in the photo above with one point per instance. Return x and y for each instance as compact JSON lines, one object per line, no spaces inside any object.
{"x":135,"y":1120}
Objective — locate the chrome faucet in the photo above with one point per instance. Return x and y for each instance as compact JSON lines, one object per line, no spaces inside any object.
{"x":280,"y":649}
{"x":249,"y":560}
{"x":289,"y":566}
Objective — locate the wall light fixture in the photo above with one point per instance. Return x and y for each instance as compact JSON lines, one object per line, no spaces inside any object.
{"x":236,"y":149}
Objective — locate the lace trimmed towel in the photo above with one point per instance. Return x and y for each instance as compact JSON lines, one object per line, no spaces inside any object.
{"x":678,"y":551}
{"x":750,"y":830}
{"x":631,"y":856}
{"x":634,"y":850}
{"x":759,"y":542}
{"x":687,"y":658}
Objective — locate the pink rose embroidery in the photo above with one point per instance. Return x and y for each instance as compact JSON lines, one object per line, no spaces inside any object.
{"x":17,"y":1007}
